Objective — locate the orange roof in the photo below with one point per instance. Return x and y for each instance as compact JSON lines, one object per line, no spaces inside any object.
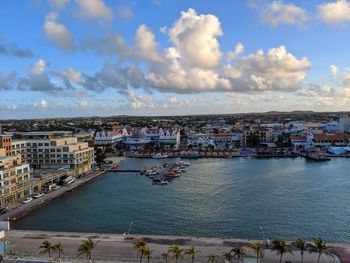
{"x":298,"y":138}
{"x":332,"y":137}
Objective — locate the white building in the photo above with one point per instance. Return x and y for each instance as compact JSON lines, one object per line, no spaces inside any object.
{"x":108,"y":137}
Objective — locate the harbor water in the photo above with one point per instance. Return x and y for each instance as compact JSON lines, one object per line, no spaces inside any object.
{"x":214,"y":198}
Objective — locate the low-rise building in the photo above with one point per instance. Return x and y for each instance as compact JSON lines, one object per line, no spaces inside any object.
{"x":108,"y":137}
{"x":61,"y":153}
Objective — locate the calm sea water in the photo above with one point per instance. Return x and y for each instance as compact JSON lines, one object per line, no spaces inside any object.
{"x":215,"y":198}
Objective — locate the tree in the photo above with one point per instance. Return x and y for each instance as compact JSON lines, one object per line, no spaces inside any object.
{"x":300,"y":244}
{"x":148,"y":253}
{"x":258,"y":250}
{"x":165,"y":256}
{"x":86,"y":248}
{"x":59,"y":249}
{"x":176,"y":252}
{"x":281,"y":247}
{"x":46,"y":248}
{"x":192,"y":251}
{"x":238,"y":252}
{"x":140,"y":247}
{"x":228,"y":256}
{"x":318,"y":246}
{"x":212,"y":258}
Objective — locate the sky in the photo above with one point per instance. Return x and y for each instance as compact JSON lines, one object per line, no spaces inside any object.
{"x":71,"y":58}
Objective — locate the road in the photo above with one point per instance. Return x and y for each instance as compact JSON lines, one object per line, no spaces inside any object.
{"x":117,"y":248}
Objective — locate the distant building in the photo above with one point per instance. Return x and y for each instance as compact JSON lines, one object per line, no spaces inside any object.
{"x":331,"y":139}
{"x":108,"y":137}
{"x":344,"y":124}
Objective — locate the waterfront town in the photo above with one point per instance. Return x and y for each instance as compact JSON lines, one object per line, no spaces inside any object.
{"x":41,"y":160}
{"x":34,"y":158}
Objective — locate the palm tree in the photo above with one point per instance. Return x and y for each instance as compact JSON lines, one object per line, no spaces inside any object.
{"x":228,"y":256}
{"x":140,"y":247}
{"x":238,"y":252}
{"x":165,"y":256}
{"x":59,"y":249}
{"x":46,"y":248}
{"x":300,"y":244}
{"x":319,"y":246}
{"x":212,"y":257}
{"x":192,"y":251}
{"x":148,"y":253}
{"x":86,"y":247}
{"x":258,"y":250}
{"x":176,"y":252}
{"x":281,"y":247}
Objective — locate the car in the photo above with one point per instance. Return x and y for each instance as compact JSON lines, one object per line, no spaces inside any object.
{"x":55,"y":187}
{"x":97,"y":169}
{"x":3,"y":210}
{"x":27,"y":200}
{"x":37,"y":195}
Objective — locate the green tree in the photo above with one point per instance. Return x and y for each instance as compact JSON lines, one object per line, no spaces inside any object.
{"x":176,"y":252}
{"x":318,"y":246}
{"x":192,"y":251}
{"x":228,"y":256}
{"x":165,"y":256}
{"x":140,"y":247}
{"x":212,"y":258}
{"x":148,"y":253}
{"x":86,"y":248}
{"x":258,"y":250}
{"x":300,"y":244}
{"x":59,"y":249}
{"x":46,"y":248}
{"x":281,"y":247}
{"x":238,"y":252}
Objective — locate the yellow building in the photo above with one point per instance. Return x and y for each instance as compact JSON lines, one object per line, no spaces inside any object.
{"x":14,"y":179}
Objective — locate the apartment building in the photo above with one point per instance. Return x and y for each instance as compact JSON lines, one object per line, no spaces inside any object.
{"x":5,"y":143}
{"x":15,"y":179}
{"x":261,"y":135}
{"x":65,"y":153}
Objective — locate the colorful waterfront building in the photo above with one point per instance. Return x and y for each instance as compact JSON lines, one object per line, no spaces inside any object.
{"x":108,"y":137}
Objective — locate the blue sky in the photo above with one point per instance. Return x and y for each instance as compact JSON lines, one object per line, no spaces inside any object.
{"x":62,"y":58}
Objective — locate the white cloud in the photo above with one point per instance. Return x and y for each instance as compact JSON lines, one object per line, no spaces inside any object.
{"x":57,"y":33}
{"x":146,"y":44}
{"x":333,"y":70}
{"x":72,"y":75}
{"x":277,"y":13}
{"x":94,"y":9}
{"x":39,"y":67}
{"x":58,"y":3}
{"x":43,"y":104}
{"x":336,"y":12}
{"x":195,"y":37}
{"x":83,"y":104}
{"x":235,"y":53}
{"x":276,"y":70}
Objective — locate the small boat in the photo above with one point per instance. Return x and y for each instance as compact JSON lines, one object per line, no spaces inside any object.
{"x":115,"y":168}
{"x":159,"y":156}
{"x":159,"y":182}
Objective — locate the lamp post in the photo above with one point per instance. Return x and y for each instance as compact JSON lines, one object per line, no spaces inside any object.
{"x":263,"y":236}
{"x":129,"y":231}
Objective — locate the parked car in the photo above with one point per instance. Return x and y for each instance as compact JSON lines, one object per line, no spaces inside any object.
{"x":55,"y":187}
{"x":3,"y":210}
{"x":37,"y":195}
{"x":27,"y":200}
